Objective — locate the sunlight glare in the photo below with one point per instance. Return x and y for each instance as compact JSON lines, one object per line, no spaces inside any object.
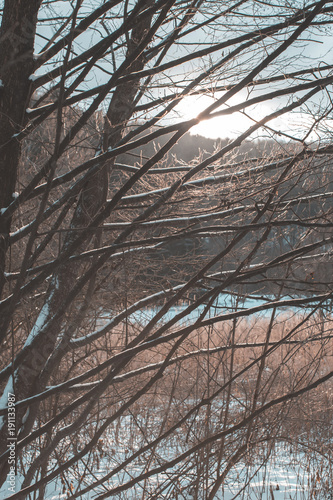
{"x":228,"y":126}
{"x":293,"y":124}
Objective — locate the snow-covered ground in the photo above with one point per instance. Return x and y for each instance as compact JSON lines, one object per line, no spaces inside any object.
{"x":289,"y":474}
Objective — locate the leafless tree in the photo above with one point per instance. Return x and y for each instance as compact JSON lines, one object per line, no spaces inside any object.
{"x":162,"y":320}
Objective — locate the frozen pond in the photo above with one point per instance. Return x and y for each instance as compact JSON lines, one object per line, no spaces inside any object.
{"x":224,"y":304}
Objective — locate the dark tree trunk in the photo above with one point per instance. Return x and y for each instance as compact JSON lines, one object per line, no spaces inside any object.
{"x":17,"y":36}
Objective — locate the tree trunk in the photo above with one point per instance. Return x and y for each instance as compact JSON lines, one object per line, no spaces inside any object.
{"x":17,"y":36}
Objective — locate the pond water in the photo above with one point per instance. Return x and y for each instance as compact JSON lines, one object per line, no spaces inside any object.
{"x":224,"y":304}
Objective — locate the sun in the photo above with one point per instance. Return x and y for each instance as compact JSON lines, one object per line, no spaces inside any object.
{"x":227,"y":126}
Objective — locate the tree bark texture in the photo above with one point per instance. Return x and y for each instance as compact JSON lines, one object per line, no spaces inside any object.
{"x":16,"y":65}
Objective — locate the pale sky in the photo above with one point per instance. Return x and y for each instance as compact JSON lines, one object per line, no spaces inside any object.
{"x":318,"y":50}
